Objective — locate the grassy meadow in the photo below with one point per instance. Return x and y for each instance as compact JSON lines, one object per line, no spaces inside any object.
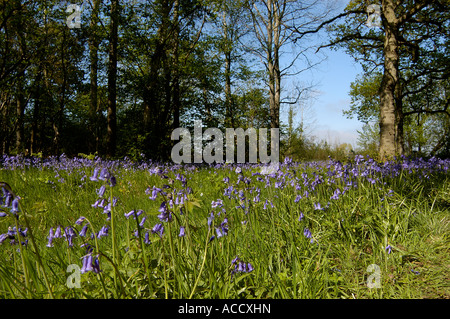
{"x":91,"y":228}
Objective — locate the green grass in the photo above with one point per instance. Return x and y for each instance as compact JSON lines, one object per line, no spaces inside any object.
{"x":408,"y":212}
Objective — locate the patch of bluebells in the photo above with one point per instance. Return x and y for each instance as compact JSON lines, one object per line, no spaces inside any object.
{"x":239,"y":266}
{"x":303,"y":179}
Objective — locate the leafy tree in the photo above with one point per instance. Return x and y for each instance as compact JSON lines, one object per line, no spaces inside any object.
{"x":410,"y":37}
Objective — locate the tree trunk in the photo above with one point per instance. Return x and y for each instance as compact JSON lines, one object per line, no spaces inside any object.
{"x":176,"y":71}
{"x":20,"y":110}
{"x":276,"y":62}
{"x":93,"y":104}
{"x":389,"y":111}
{"x":111,"y":138}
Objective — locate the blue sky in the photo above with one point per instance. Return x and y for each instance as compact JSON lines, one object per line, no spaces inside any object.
{"x":334,"y":77}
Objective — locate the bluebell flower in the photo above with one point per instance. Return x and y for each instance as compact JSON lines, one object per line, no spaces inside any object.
{"x":141,"y":224}
{"x":218,"y":232}
{"x":80,"y":220}
{"x":181,"y":234}
{"x":94,"y":176}
{"x":301,"y":217}
{"x":15,"y":206}
{"x":336,"y":194}
{"x":87,"y":264}
{"x":103,"y":232}
{"x":104,"y":174}
{"x":224,"y":226}
{"x":388,"y":249}
{"x":50,"y":238}
{"x":147,"y":239}
{"x":3,"y":214}
{"x":3,"y":237}
{"x":96,"y":266}
{"x":317,"y":206}
{"x":165,"y":215}
{"x":101,"y":191}
{"x":415,"y":272}
{"x":58,"y":232}
{"x":217,"y":203}
{"x":83,"y":230}
{"x":307,"y":233}
{"x":69,"y":233}
{"x":158,"y":229}
{"x":112,"y":181}
{"x":127,"y":215}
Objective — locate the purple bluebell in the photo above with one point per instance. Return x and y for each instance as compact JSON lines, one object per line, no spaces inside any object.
{"x":80,"y":220}
{"x":3,"y":237}
{"x":210,"y":219}
{"x":131,"y":213}
{"x":307,"y":233}
{"x":301,"y":217}
{"x":15,"y":206}
{"x":101,"y":191}
{"x":104,"y":174}
{"x":87,"y":264}
{"x":147,"y":238}
{"x":224,"y":226}
{"x":94,"y":176}
{"x":141,"y":224}
{"x":217,"y":203}
{"x":112,"y":181}
{"x":388,"y":249}
{"x":69,"y":233}
{"x":158,"y":229}
{"x":317,"y":206}
{"x":83,"y":230}
{"x":218,"y":232}
{"x":182,"y":230}
{"x":165,"y":215}
{"x":96,"y":266}
{"x":103,"y":231}
{"x":336,"y":194}
{"x":58,"y":232}
{"x":50,"y":238}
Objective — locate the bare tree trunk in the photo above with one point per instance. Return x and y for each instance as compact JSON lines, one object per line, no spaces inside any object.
{"x":20,"y":110}
{"x":111,"y":139}
{"x":388,"y":100}
{"x":93,"y":55}
{"x":176,"y":71}
{"x":229,"y":117}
